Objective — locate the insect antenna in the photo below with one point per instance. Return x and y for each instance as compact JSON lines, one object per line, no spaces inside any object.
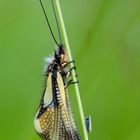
{"x":56,"y":20}
{"x":47,"y":20}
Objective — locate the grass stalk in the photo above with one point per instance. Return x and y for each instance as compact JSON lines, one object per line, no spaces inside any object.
{"x":58,"y":10}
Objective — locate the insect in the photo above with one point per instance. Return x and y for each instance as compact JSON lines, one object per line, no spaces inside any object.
{"x":54,"y":119}
{"x":88,"y":124}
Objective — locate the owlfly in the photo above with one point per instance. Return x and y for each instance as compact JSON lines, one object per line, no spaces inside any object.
{"x":54,"y":118}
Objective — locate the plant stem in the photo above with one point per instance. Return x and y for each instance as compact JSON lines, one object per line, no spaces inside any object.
{"x":58,"y":9}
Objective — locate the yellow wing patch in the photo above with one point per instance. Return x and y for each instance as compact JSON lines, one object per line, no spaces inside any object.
{"x":48,"y":96}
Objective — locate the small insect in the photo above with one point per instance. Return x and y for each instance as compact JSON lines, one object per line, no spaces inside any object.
{"x":88,"y":124}
{"x":54,"y":119}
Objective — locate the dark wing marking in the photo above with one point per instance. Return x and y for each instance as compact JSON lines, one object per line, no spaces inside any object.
{"x":56,"y":121}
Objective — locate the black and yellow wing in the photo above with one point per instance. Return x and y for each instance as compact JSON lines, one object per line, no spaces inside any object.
{"x":54,"y":120}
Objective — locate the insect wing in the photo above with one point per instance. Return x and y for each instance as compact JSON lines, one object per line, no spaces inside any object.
{"x":44,"y":118}
{"x":66,"y":112}
{"x":54,"y":119}
{"x":48,"y":96}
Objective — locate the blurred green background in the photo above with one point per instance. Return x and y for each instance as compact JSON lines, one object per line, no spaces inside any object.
{"x":104,"y":36}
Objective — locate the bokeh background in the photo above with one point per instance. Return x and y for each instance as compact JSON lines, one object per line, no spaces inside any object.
{"x":104,"y":36}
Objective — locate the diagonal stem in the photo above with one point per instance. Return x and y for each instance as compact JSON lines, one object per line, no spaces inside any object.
{"x":58,"y":9}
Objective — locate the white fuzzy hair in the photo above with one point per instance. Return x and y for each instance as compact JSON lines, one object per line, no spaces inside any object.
{"x":48,"y":61}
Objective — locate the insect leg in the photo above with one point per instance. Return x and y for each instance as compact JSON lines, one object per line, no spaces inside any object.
{"x":69,"y":72}
{"x":71,"y":82}
{"x":69,"y":63}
